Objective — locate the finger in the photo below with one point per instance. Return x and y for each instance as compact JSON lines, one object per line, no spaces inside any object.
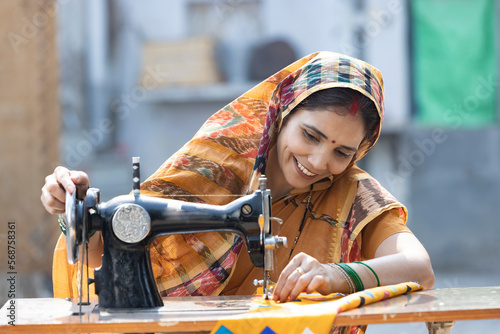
{"x":288,"y":286}
{"x":53,"y":189}
{"x":317,"y":284}
{"x":285,"y":274}
{"x":282,"y":281}
{"x":300,"y":285}
{"x":81,"y":180}
{"x":51,"y":204}
{"x":63,"y":178}
{"x":279,"y":286}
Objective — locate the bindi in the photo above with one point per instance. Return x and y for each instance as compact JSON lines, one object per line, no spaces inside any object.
{"x":333,"y":141}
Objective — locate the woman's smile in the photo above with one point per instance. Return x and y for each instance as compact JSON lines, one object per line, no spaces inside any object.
{"x":303,"y":170}
{"x":312,"y":145}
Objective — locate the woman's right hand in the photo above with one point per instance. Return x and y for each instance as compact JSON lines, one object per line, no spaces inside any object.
{"x":55,"y":187}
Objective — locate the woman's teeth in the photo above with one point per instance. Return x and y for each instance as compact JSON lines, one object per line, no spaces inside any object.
{"x":305,"y":170}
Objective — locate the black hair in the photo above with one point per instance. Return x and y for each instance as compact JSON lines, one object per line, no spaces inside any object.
{"x":345,"y":97}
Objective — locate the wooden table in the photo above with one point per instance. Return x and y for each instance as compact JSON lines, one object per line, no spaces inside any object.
{"x":438,"y":308}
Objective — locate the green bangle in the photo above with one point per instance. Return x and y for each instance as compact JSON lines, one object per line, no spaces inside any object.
{"x":373,"y":271}
{"x":62,"y":225}
{"x":352,"y":274}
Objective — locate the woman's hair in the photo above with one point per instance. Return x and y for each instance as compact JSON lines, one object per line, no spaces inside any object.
{"x":352,"y":100}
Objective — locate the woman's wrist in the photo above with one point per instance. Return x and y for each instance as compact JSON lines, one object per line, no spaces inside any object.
{"x":61,"y":218}
{"x":354,"y":276}
{"x":341,"y":280}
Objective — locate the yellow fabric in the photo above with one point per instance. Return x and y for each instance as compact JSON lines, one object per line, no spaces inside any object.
{"x":305,"y":315}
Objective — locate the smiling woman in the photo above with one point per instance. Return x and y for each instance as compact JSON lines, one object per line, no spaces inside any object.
{"x":339,"y":116}
{"x":305,"y":154}
{"x":348,"y":232}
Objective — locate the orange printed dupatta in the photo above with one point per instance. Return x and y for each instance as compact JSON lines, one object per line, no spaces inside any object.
{"x":226,"y":157}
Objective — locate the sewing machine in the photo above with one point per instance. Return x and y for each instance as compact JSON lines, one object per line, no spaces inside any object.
{"x":130,"y":223}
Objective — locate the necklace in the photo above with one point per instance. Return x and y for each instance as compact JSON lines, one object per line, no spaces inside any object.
{"x":302,"y":223}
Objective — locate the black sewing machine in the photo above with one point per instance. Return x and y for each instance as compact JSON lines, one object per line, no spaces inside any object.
{"x":130,"y":223}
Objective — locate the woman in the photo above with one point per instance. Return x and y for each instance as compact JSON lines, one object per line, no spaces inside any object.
{"x":304,"y":127}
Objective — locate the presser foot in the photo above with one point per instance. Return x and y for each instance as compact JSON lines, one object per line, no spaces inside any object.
{"x":269,"y":288}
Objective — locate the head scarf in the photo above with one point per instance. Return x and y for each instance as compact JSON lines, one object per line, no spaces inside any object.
{"x":325,"y":70}
{"x":226,"y":157}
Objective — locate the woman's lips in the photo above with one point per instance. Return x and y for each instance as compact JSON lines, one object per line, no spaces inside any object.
{"x":303,"y":170}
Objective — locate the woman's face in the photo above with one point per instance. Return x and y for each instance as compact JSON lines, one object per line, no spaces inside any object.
{"x":315,"y":144}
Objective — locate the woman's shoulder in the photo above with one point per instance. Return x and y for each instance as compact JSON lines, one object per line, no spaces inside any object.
{"x":359,"y":176}
{"x":368,"y":194}
{"x":352,"y":176}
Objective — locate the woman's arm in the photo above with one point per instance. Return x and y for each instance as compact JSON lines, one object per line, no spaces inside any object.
{"x":399,"y":258}
{"x":95,"y":250}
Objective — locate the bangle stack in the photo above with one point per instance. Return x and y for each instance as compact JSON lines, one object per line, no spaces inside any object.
{"x":358,"y":283}
{"x":348,"y":279}
{"x":351,"y":277}
{"x":62,"y":225}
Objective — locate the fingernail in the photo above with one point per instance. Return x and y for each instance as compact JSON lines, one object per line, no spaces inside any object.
{"x":70,"y":188}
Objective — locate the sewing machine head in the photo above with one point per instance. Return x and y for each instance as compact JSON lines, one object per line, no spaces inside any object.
{"x":130,"y":223}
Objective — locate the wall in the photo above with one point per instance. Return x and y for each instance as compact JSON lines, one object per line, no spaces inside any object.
{"x":29,"y":133}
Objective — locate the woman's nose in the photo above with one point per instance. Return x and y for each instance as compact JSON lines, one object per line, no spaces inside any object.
{"x":318,"y":161}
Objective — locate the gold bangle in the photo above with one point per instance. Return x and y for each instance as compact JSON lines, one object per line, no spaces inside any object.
{"x":346,"y":277}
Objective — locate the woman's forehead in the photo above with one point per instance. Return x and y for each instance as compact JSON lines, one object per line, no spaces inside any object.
{"x":335,"y":126}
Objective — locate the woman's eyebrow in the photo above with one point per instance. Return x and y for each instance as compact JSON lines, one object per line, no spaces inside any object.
{"x":315,"y":129}
{"x":354,"y":150}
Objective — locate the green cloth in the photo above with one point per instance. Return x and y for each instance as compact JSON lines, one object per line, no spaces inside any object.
{"x":455,"y":62}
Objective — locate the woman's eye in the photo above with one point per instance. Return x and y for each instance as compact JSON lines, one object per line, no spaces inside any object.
{"x":342,"y":154}
{"x":310,"y":136}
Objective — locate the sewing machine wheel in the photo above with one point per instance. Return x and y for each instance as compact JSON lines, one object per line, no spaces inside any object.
{"x":74,"y":209}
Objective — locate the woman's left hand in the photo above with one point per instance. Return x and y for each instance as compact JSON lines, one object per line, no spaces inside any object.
{"x":303,"y":273}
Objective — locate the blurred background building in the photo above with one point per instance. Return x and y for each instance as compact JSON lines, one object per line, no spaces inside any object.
{"x":89,"y":84}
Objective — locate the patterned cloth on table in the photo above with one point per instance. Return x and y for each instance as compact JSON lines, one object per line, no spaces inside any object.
{"x":305,"y":316}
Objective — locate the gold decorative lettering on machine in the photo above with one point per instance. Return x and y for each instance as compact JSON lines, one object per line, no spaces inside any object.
{"x":130,"y":223}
